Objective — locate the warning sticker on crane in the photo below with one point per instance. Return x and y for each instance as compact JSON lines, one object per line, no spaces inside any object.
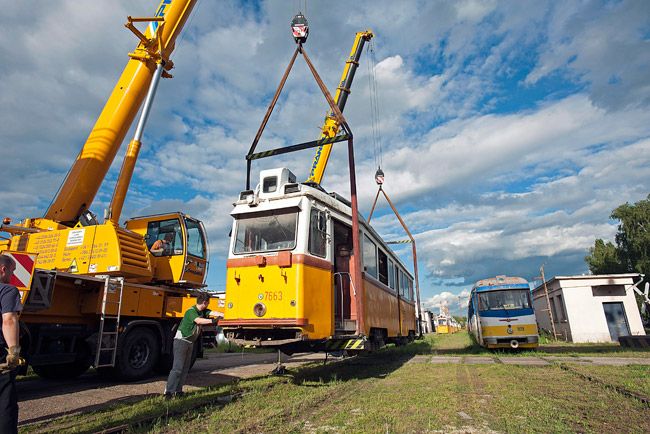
{"x":25,"y":262}
{"x":73,"y":267}
{"x":75,"y":237}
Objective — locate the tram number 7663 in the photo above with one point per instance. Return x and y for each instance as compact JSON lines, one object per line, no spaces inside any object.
{"x":273,"y":295}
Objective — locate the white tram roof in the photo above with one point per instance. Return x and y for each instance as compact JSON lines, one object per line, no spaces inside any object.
{"x":500,"y":282}
{"x":289,"y":194}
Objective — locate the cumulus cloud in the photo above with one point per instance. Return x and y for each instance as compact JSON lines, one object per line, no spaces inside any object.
{"x":456,"y":302}
{"x":509,"y":130}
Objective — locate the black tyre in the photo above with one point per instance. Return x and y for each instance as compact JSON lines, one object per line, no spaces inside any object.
{"x":137,"y":355}
{"x":66,"y":371}
{"x":63,"y":371}
{"x":164,"y":365}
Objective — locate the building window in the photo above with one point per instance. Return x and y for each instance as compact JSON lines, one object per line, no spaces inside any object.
{"x":554,"y":309}
{"x":608,"y":290}
{"x":560,"y":308}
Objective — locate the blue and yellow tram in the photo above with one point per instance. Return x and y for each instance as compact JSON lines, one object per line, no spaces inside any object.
{"x":500,"y":313}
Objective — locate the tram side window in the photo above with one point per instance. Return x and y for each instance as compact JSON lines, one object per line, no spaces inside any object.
{"x":383,"y":267}
{"x":369,"y":256}
{"x":402,"y":284}
{"x":391,"y":274}
{"x":410,"y":297}
{"x":470,"y":307}
{"x":318,"y":233}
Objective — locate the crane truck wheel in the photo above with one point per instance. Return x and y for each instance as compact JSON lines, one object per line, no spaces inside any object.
{"x":66,"y":371}
{"x":138,"y":353}
{"x":63,"y":371}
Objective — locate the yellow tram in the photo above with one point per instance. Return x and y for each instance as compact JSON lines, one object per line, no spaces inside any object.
{"x":288,"y":281}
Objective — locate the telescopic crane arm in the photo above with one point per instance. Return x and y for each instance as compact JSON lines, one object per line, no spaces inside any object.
{"x":93,"y":162}
{"x":331,"y":126}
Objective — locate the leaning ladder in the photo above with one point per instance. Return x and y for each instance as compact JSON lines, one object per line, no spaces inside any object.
{"x":109,"y":324}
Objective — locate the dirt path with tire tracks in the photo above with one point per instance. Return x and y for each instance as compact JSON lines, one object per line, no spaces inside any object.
{"x":47,"y":399}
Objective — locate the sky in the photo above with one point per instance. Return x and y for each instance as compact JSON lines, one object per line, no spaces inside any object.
{"x":508,"y":131}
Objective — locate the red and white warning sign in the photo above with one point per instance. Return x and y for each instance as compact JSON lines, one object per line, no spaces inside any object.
{"x":25,"y":262}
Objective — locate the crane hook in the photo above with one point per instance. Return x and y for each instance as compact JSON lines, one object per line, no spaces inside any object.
{"x":300,"y":28}
{"x":379,"y":176}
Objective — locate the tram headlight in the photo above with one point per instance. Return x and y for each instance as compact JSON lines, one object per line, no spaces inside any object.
{"x":509,"y":330}
{"x":259,"y":309}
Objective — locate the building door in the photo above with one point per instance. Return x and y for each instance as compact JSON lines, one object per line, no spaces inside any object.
{"x":616,"y":320}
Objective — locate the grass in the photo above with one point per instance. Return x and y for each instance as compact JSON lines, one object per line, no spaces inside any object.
{"x":461,"y":344}
{"x":393,"y":391}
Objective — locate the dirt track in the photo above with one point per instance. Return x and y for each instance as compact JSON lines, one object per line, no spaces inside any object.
{"x":46,"y":399}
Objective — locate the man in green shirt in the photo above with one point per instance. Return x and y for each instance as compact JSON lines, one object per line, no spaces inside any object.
{"x":188,"y":332}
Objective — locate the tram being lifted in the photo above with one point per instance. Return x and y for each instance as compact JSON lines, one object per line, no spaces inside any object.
{"x":291,"y":281}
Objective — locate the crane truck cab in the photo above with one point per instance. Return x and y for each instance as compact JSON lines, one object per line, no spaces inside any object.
{"x":184,"y":261}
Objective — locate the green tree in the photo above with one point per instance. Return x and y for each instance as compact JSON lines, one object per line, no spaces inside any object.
{"x":633,"y":236}
{"x":603,"y":259}
{"x":632,"y":251}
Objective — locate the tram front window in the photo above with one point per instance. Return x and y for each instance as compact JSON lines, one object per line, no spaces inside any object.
{"x":499,"y":300}
{"x":266,"y":233}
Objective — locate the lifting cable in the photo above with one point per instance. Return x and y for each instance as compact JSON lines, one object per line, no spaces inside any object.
{"x":300,"y":6}
{"x":375,"y":112}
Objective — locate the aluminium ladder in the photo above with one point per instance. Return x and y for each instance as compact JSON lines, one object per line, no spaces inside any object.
{"x":109,"y":325}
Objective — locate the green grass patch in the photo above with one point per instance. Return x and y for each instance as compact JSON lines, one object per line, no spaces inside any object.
{"x":632,"y":378}
{"x":397,"y":390}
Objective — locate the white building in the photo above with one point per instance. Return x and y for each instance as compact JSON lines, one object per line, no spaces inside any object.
{"x":590,"y":308}
{"x":428,"y":319}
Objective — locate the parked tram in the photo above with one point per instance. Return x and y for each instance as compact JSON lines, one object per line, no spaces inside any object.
{"x":288,"y":282}
{"x":500,"y":313}
{"x":446,"y":325}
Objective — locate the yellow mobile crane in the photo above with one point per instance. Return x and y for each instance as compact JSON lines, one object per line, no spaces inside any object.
{"x":93,"y":293}
{"x":331,"y":126}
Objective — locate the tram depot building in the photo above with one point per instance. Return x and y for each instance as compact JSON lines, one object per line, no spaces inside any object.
{"x":591,"y":308}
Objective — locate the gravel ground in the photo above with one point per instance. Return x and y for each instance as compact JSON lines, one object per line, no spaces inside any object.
{"x":46,"y":399}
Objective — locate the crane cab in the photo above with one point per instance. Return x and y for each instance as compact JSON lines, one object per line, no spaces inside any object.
{"x":177,"y":245}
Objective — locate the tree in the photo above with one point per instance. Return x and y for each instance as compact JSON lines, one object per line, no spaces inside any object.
{"x":632,"y":251}
{"x":633,"y":236}
{"x":603,"y":259}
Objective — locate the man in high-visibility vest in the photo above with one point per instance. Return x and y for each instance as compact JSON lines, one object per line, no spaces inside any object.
{"x":9,"y":357}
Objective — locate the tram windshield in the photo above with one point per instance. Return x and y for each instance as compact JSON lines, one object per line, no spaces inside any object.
{"x":507,"y":299}
{"x":266,"y":233}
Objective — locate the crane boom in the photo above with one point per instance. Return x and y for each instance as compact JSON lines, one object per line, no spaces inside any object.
{"x":331,"y":126}
{"x":93,"y":162}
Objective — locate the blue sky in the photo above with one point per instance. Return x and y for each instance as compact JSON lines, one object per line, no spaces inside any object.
{"x":509,"y":130}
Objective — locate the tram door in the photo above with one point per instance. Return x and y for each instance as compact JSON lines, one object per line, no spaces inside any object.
{"x":344,"y":319}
